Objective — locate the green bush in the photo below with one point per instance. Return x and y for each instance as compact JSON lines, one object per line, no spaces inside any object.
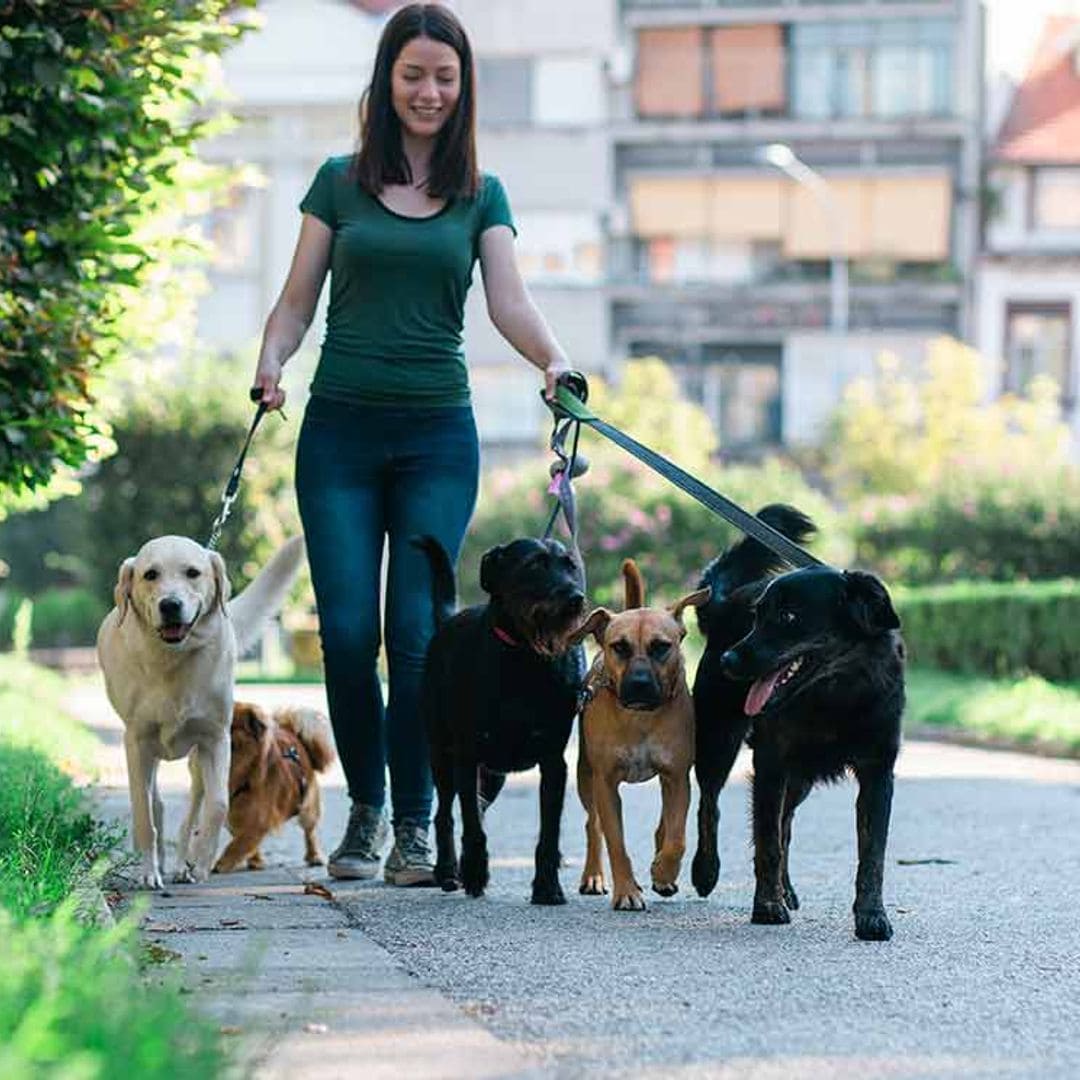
{"x":97,"y":133}
{"x":65,"y":617}
{"x":1000,"y":630}
{"x":1002,"y":528}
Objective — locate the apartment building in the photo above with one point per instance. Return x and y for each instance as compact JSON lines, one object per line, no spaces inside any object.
{"x":720,"y":262}
{"x":1029,"y":280}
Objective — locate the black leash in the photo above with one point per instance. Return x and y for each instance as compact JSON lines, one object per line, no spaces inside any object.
{"x":228,"y":496}
{"x":571,"y":393}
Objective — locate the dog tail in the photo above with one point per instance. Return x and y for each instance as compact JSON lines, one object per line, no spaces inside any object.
{"x":312,"y":728}
{"x":444,"y":587}
{"x":265,"y":595}
{"x":749,"y":560}
{"x":634,"y":585}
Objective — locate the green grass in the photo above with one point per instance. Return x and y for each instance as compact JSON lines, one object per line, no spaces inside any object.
{"x":1028,"y":712}
{"x":73,"y":1000}
{"x":32,"y":715}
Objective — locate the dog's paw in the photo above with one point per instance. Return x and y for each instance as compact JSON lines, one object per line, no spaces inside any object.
{"x":592,"y":885}
{"x":316,"y":858}
{"x":770,"y":913}
{"x":628,"y":899}
{"x":548,"y":893}
{"x":704,"y":873}
{"x":190,"y":874}
{"x":474,"y":871}
{"x":447,"y":877}
{"x":665,"y":888}
{"x":872,"y":926}
{"x":149,"y":879}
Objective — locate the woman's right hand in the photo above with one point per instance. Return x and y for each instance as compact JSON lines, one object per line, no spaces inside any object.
{"x":268,"y":380}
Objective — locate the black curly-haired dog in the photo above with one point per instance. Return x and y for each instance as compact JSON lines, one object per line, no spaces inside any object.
{"x":822,"y":653}
{"x":500,"y":692}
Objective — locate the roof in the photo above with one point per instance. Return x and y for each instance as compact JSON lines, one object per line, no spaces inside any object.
{"x":1043,"y":123}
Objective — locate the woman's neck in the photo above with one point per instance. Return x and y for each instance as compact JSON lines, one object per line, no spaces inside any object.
{"x":418,"y":153}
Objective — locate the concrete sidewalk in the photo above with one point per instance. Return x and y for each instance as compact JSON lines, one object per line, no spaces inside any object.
{"x":275,"y":958}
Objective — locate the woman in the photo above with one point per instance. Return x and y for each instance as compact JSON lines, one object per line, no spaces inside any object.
{"x":388,"y":447}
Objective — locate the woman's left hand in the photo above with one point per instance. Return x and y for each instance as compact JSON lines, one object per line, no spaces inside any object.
{"x":559,"y":366}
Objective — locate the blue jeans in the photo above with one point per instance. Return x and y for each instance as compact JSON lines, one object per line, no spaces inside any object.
{"x":364,"y":473}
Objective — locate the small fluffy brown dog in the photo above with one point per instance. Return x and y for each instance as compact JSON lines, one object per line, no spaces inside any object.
{"x":638,"y":721}
{"x":272,"y":778}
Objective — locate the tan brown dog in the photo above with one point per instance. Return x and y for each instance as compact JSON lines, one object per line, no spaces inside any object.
{"x":638,"y":721}
{"x":272,"y":778}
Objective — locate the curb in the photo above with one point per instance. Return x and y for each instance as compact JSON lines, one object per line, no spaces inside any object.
{"x":1049,"y":748}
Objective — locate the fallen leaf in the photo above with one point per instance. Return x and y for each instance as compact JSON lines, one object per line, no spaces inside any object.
{"x":313,"y":888}
{"x":231,"y":922}
{"x":230,"y":1029}
{"x":343,"y":933}
{"x":926,"y":862}
{"x":316,"y":1029}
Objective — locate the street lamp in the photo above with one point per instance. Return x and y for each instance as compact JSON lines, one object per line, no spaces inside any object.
{"x":782,"y":157}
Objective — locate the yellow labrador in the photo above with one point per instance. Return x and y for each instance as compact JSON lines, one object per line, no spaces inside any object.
{"x":168,"y":651}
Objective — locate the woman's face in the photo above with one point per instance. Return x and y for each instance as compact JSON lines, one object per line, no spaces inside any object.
{"x":425,"y":86}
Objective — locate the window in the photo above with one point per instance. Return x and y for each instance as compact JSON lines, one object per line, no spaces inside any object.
{"x":670,"y":79}
{"x":737,"y":385}
{"x":504,"y":90}
{"x":1056,"y":203}
{"x":1038,"y":342}
{"x":886,"y":68}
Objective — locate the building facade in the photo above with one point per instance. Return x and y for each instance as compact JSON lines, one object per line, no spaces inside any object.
{"x":1029,"y":280}
{"x":720,"y":263}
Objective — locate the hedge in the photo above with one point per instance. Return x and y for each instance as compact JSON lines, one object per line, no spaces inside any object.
{"x":994,"y":628}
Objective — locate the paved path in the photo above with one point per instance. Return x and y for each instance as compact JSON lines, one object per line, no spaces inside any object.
{"x":981,"y":979}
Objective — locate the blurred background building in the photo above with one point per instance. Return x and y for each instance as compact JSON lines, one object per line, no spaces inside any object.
{"x":632,"y":136}
{"x":1029,"y":299}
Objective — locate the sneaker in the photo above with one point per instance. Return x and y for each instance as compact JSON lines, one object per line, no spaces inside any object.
{"x":410,"y":862}
{"x":358,"y":855}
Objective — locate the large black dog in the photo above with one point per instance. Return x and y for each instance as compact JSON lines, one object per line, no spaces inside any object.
{"x":822,"y":653}
{"x":500,"y":691}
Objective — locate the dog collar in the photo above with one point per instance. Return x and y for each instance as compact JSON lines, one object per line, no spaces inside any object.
{"x":502,"y":635}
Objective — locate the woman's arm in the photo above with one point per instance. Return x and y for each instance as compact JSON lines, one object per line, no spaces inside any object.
{"x":295,"y":308}
{"x":511,"y":308}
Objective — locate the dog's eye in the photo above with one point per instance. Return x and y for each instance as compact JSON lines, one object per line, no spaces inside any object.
{"x":150,"y":575}
{"x":788,"y":618}
{"x":193,"y":572}
{"x":659,"y":650}
{"x":622,"y":649}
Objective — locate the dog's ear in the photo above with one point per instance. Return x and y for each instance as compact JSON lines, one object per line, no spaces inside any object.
{"x":122,"y":592}
{"x":633,"y":585}
{"x":222,"y":588}
{"x":491,"y":569}
{"x":868,"y":603}
{"x":695,"y":599}
{"x":596,"y":624}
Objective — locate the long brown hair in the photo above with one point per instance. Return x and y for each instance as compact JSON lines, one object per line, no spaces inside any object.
{"x":381,"y":159}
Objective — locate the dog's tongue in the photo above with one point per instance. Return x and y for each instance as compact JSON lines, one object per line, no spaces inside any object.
{"x":759,"y":693}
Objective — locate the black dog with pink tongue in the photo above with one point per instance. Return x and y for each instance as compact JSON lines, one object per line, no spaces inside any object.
{"x":821,"y":651}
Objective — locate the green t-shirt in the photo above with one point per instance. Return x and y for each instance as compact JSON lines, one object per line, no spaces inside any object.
{"x":397,"y":291}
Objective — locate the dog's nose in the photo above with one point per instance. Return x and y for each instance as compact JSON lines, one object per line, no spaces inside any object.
{"x":170,"y":609}
{"x":729,"y":662}
{"x":639,"y":688}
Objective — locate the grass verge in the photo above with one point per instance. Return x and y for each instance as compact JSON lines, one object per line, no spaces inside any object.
{"x":1028,"y":713}
{"x":74,"y":1000}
